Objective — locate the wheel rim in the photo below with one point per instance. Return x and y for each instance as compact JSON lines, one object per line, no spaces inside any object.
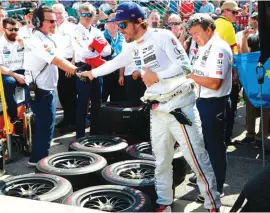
{"x":30,"y":189}
{"x":109,"y":202}
{"x":72,"y":162}
{"x":145,"y":148}
{"x":136,"y":171}
{"x":97,"y":143}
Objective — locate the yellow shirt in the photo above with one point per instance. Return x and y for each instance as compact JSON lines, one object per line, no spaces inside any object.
{"x":226,"y":31}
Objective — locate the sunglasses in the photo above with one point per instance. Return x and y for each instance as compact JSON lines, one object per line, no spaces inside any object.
{"x":123,"y":25}
{"x":234,"y":12}
{"x":10,"y":29}
{"x":52,"y":21}
{"x":174,"y":23}
{"x":89,"y":15}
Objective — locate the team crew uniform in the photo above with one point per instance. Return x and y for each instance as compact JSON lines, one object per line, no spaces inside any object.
{"x":81,"y":39}
{"x":11,"y":56}
{"x":66,"y":85}
{"x":214,"y":60}
{"x":170,"y":62}
{"x":39,"y":54}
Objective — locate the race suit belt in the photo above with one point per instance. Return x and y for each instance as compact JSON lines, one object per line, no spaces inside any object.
{"x":181,"y":89}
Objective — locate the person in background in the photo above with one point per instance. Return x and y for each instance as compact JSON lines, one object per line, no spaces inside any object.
{"x":186,"y":9}
{"x":251,"y":43}
{"x":113,"y":6}
{"x":105,"y":6}
{"x":112,"y":86}
{"x":2,"y":16}
{"x":207,"y":7}
{"x":154,"y":19}
{"x":34,"y":5}
{"x":19,"y":19}
{"x":26,"y":31}
{"x":175,"y":25}
{"x":66,"y":86}
{"x":253,"y":29}
{"x":11,"y":62}
{"x":216,"y":14}
{"x":225,"y":29}
{"x":82,"y":37}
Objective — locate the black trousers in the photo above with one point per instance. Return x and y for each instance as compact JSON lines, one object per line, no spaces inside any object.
{"x":112,"y":88}
{"x":134,"y":89}
{"x":67,"y":96}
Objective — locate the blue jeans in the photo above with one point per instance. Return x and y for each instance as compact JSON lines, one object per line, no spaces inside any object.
{"x":44,"y":109}
{"x":212,"y":113}
{"x":10,"y":84}
{"x":87,"y":90}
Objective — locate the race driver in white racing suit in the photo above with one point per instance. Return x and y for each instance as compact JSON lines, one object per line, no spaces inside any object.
{"x":163,"y":64}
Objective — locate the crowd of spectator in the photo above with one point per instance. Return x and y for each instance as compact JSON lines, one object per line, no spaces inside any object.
{"x":162,"y":8}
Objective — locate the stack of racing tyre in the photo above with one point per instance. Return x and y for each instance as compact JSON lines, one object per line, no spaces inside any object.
{"x":102,"y":172}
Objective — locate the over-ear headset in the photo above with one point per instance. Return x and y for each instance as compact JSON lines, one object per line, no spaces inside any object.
{"x":38,"y":16}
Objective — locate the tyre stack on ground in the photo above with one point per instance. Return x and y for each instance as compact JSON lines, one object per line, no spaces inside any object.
{"x":105,"y":172}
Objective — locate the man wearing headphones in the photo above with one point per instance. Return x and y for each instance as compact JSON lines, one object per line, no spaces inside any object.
{"x":41,"y":73}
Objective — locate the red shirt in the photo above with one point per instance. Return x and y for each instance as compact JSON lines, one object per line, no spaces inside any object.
{"x":186,"y":7}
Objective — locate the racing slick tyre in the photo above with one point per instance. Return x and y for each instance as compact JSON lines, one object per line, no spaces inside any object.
{"x":112,"y":148}
{"x":16,"y":148}
{"x":143,"y":151}
{"x":43,"y":187}
{"x":138,"y":174}
{"x":124,"y":118}
{"x":110,"y":198}
{"x":82,"y":169}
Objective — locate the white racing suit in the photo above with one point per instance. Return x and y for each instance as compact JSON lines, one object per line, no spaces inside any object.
{"x":160,"y":51}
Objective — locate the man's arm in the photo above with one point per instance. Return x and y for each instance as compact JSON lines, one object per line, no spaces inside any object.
{"x":64,"y":64}
{"x":19,"y":78}
{"x":244,"y":44}
{"x":122,"y":60}
{"x":177,"y":56}
{"x":211,"y":83}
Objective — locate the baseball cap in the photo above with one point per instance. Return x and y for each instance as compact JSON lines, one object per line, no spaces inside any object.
{"x":27,"y":11}
{"x":129,"y":11}
{"x":230,"y":5}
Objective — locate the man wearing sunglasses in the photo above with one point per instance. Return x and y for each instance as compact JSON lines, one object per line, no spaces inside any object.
{"x":82,"y":37}
{"x":11,"y":62}
{"x":41,"y":62}
{"x":163,"y":64}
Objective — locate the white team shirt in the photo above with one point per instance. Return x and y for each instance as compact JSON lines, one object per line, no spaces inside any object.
{"x":82,"y":37}
{"x":214,"y":60}
{"x":63,"y":39}
{"x":25,"y":32}
{"x":11,"y":54}
{"x":158,"y":50}
{"x":38,"y":53}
